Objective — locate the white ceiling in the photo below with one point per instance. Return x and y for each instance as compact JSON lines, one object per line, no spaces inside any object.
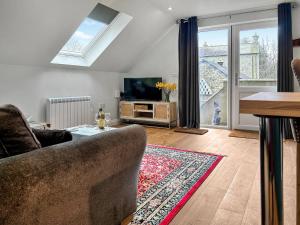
{"x":33,"y":31}
{"x":185,"y":8}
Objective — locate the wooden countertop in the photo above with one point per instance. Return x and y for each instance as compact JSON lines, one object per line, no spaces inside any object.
{"x":285,"y":104}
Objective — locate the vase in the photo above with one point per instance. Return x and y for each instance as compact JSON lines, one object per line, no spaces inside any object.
{"x":167,"y":96}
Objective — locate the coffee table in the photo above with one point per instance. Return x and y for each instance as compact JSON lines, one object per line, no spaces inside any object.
{"x":87,"y":130}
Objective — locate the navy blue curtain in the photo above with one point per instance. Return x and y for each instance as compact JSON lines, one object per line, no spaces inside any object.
{"x":188,"y":85}
{"x":285,"y":56}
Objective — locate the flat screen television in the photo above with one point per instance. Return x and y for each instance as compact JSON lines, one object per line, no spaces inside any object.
{"x":142,"y":89}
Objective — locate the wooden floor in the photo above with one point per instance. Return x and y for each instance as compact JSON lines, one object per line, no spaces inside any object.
{"x":231,"y":194}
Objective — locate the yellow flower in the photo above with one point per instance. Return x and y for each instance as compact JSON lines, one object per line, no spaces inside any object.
{"x":166,"y":86}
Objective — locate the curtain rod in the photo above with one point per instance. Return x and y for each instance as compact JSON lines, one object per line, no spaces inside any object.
{"x":294,"y":5}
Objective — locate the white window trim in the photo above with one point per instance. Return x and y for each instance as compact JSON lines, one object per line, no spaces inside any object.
{"x":66,"y":53}
{"x":98,"y":37}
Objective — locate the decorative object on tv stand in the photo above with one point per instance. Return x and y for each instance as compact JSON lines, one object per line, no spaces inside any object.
{"x":167,"y":89}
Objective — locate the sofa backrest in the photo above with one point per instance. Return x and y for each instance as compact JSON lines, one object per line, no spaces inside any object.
{"x":89,"y":181}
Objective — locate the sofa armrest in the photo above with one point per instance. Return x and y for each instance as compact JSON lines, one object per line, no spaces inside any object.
{"x":52,"y":137}
{"x":91,"y":181}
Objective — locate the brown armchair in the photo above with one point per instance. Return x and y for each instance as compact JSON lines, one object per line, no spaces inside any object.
{"x":296,"y":133}
{"x":296,"y":68}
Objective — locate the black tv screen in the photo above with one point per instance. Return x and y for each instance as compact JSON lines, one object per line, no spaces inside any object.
{"x":142,"y":89}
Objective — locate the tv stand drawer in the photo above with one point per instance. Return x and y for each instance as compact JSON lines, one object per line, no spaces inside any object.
{"x":161,"y":111}
{"x":141,"y":107}
{"x":126,"y":110}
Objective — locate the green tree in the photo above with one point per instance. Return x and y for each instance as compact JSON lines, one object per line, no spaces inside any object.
{"x":267,"y":59}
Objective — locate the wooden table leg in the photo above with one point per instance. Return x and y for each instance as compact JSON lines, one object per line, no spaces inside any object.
{"x":271,"y":171}
{"x":298,"y":184}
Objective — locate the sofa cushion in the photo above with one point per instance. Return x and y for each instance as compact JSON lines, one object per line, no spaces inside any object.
{"x":16,"y":136}
{"x":3,"y":152}
{"x":52,"y":137}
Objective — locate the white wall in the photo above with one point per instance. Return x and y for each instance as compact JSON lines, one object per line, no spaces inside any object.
{"x":160,"y":59}
{"x":28,"y":87}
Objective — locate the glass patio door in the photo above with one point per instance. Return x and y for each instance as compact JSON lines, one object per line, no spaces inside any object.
{"x":254,"y":66}
{"x":214,"y":76}
{"x":235,"y":62}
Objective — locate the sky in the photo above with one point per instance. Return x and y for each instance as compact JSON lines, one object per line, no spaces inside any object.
{"x":85,"y":33}
{"x":220,"y":37}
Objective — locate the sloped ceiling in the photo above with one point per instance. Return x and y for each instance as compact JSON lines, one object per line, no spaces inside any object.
{"x":149,"y":23}
{"x":33,"y":31}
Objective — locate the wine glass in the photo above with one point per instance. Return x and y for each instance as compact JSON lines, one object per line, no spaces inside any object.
{"x":107,"y":119}
{"x":96,"y":118}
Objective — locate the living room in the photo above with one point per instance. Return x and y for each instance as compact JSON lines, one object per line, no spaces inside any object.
{"x":149,"y":112}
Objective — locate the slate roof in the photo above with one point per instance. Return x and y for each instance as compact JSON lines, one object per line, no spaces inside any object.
{"x":208,"y":52}
{"x":221,"y":69}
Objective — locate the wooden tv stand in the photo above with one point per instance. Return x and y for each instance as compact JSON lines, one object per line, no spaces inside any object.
{"x":149,"y":112}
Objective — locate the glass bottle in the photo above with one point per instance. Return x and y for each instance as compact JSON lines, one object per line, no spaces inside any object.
{"x":101,"y":119}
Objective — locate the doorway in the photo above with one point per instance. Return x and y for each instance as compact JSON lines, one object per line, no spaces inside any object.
{"x":235,"y":62}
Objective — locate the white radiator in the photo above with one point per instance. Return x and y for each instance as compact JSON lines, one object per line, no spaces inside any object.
{"x":68,"y":112}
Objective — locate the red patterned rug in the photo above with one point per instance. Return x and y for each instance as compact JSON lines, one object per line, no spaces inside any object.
{"x":167,"y":180}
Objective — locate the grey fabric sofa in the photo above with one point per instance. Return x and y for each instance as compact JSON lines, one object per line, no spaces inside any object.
{"x":89,"y":181}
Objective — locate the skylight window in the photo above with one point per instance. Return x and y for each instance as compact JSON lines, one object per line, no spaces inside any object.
{"x":86,"y":33}
{"x":95,"y":33}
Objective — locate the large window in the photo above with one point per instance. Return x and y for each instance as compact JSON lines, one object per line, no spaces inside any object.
{"x":214,"y":75}
{"x":255,"y":66}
